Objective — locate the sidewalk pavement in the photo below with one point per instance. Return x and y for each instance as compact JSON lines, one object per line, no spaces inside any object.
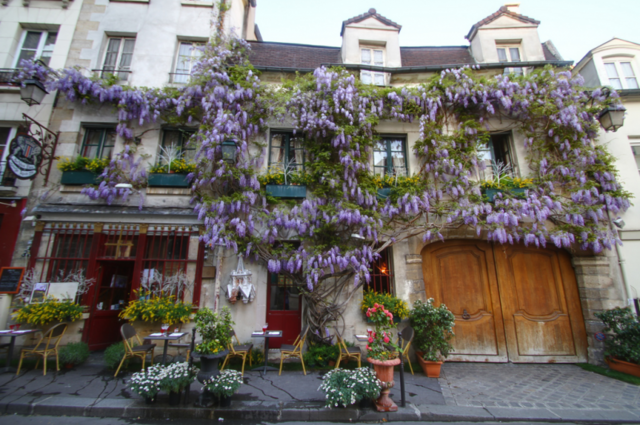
{"x":464,"y":392}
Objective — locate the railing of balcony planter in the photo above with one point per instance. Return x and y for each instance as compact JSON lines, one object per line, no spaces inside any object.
{"x":491,"y":193}
{"x":77,"y":178}
{"x":384,"y":193}
{"x":168,"y":180}
{"x":286,"y":191}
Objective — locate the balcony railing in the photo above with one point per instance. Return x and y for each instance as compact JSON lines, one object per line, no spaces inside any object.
{"x":122,"y":74}
{"x":9,"y":76}
{"x":8,"y":179}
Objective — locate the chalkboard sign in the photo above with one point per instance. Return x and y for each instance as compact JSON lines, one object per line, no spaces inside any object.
{"x":10,"y":279}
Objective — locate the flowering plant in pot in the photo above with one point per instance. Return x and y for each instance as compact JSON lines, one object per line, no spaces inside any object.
{"x":433,"y":332}
{"x":383,"y":353}
{"x":147,"y":383}
{"x":397,"y":307}
{"x":343,"y":387}
{"x":224,"y":385}
{"x":622,"y":345}
{"x":174,"y":378}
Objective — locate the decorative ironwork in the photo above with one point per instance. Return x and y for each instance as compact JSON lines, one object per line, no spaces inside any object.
{"x":9,"y":76}
{"x":49,"y":141}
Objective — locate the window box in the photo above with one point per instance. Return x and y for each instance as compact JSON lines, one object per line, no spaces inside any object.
{"x":517,"y":192}
{"x":78,"y":178}
{"x":169,"y":180}
{"x":286,"y":191}
{"x":384,"y":193}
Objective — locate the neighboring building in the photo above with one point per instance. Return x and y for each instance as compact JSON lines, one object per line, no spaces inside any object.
{"x":616,"y":64}
{"x":29,"y":30}
{"x":155,"y":44}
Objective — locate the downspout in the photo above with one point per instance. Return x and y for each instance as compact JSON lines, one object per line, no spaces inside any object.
{"x":625,"y":281}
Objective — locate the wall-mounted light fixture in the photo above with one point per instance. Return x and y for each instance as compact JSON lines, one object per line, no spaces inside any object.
{"x":32,"y":92}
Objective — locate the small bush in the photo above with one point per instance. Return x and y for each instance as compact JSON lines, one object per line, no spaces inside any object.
{"x":113,"y":355}
{"x":319,"y":355}
{"x":623,"y":328}
{"x":74,"y":353}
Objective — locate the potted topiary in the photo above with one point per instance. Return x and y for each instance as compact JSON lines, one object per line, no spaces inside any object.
{"x":433,"y":330}
{"x":74,"y":353}
{"x":622,"y":345}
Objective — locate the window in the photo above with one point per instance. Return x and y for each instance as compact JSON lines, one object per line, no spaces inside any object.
{"x":381,"y":274}
{"x":188,"y":54}
{"x":636,"y":154}
{"x":118,"y":57}
{"x":375,"y":57}
{"x":179,"y":138}
{"x":98,"y":142}
{"x":36,"y":45}
{"x":510,"y":54}
{"x":286,"y":152}
{"x":389,"y":156}
{"x":497,"y":156}
{"x":621,"y":75}
{"x":7,"y":178}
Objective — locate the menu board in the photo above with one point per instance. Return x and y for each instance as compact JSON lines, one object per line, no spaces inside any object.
{"x":10,"y":279}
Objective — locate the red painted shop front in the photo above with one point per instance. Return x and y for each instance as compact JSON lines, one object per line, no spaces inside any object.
{"x":116,"y":256}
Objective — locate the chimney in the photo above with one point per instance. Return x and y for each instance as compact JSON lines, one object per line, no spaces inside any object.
{"x":513,"y":7}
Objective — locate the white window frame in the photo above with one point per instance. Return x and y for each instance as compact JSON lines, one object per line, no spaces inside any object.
{"x":373,"y":77}
{"x":118,"y":69}
{"x":40,"y":50}
{"x":617,"y":63}
{"x":509,"y":57}
{"x":635,"y":147}
{"x":185,"y":77}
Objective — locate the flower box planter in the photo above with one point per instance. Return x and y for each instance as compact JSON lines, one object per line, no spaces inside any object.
{"x":78,"y":178}
{"x":384,"y":193}
{"x":624,"y":367}
{"x":431,"y":369}
{"x":517,"y":192}
{"x":286,"y":191}
{"x":168,"y":180}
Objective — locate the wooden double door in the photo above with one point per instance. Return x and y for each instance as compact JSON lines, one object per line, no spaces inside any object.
{"x":511,"y":303}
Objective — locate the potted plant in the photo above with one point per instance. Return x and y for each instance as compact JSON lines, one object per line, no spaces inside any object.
{"x":214,"y":331}
{"x":397,"y":307}
{"x":285,"y":183}
{"x":157,"y":308}
{"x":50,"y":310}
{"x":176,"y":377}
{"x":74,"y":353}
{"x":383,"y":353}
{"x":622,"y":345}
{"x":147,"y":383}
{"x":321,"y":355}
{"x":224,"y":385}
{"x":171,"y":170}
{"x":81,"y":170}
{"x":343,"y":387}
{"x":433,"y":328}
{"x":503,"y":182}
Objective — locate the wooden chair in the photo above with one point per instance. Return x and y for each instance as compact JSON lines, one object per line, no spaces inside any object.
{"x":407,"y":337}
{"x":295,"y":350}
{"x":47,"y":345}
{"x":242,"y":351}
{"x":130,"y":336}
{"x":347,"y":353}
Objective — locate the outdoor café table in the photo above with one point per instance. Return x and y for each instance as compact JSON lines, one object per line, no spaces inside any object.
{"x":266,"y":335}
{"x":13,"y":335}
{"x":166,"y":338}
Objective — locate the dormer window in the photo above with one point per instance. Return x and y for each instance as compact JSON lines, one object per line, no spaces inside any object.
{"x":507,"y":53}
{"x":375,"y":57}
{"x":621,"y":74}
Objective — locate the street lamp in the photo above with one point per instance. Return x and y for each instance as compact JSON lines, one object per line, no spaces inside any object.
{"x":612,"y":117}
{"x":32,"y":92}
{"x":229,"y":151}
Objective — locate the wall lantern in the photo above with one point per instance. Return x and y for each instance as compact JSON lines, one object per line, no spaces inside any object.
{"x":32,"y":92}
{"x":612,"y":117}
{"x":229,"y":151}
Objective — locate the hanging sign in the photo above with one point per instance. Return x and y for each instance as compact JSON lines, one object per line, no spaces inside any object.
{"x":25,"y":156}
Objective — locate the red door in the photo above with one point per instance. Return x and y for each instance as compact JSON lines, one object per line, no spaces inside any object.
{"x":283,"y":309}
{"x":111,"y":296}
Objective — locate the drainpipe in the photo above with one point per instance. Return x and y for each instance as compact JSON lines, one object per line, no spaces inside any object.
{"x":625,"y":281}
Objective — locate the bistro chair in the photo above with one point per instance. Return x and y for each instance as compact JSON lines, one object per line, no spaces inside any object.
{"x":407,"y":336}
{"x":242,"y":351}
{"x":179,"y":345}
{"x":130,"y":337}
{"x":295,"y":350}
{"x":347,"y":353}
{"x":46,"y":346}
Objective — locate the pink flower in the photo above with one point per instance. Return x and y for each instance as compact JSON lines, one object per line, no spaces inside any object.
{"x":368,"y":348}
{"x":386,"y":339}
{"x":368,"y":313}
{"x":373,"y":310}
{"x":370,"y":340}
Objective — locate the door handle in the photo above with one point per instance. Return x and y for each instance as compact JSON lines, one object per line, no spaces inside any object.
{"x":466,"y":315}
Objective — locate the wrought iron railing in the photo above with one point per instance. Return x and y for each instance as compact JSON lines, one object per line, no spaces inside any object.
{"x":9,"y":76}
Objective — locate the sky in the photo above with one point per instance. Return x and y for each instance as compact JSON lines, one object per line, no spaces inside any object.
{"x":574,"y":26}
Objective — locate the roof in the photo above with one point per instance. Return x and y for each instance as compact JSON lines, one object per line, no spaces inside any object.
{"x":372,"y":13}
{"x":437,"y":55}
{"x":289,"y":55}
{"x":550,"y":52}
{"x":503,"y":11}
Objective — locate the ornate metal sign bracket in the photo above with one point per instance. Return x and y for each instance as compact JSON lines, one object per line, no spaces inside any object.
{"x":49,"y":141}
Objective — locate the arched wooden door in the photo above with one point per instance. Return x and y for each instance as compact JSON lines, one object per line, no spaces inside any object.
{"x":512,"y":303}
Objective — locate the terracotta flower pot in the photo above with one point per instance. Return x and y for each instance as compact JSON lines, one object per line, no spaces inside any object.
{"x":622,"y":366}
{"x":384,"y":373}
{"x":431,"y":369}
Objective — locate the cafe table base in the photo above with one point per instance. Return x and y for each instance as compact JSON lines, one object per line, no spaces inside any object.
{"x":266,"y":335}
{"x":11,"y":347}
